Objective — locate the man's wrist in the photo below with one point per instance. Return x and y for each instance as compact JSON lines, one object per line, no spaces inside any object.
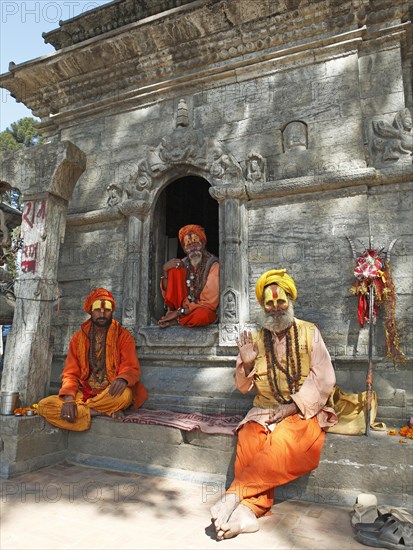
{"x":248,"y":366}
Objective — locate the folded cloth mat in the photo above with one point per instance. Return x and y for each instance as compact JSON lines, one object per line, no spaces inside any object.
{"x":393,"y":534}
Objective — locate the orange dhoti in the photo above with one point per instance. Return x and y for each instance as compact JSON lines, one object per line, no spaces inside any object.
{"x":268,"y":459}
{"x":51,"y":407}
{"x":176,"y":295}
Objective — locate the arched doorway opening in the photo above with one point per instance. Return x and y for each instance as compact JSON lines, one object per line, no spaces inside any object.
{"x":184,"y":201}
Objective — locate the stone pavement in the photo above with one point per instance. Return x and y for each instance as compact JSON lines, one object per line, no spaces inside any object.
{"x":70,"y":506}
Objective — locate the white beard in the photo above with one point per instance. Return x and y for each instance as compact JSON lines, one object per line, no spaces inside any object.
{"x":279,"y":320}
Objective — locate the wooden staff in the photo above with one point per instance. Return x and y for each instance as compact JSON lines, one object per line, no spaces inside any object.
{"x":369,"y":378}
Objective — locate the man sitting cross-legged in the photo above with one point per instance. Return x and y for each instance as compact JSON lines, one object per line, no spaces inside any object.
{"x":282,"y":436}
{"x":101,"y":373}
{"x":190,"y":287}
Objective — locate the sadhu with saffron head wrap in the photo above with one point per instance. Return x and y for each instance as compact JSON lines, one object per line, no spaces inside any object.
{"x":101,"y":372}
{"x":190,"y":286}
{"x":288,"y":366}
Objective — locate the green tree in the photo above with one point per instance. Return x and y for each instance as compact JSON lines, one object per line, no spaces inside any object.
{"x":22,"y":133}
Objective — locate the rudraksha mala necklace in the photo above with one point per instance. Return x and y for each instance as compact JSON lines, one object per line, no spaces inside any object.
{"x":292,"y":371}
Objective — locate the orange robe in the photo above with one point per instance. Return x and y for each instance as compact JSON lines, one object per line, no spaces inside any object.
{"x":121,"y":362}
{"x":271,"y":456}
{"x":203,"y":311}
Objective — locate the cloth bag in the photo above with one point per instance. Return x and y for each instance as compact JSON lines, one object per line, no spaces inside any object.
{"x":351,"y":410}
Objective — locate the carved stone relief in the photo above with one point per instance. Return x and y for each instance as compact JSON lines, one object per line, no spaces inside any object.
{"x":256,"y":168}
{"x":295,"y":136}
{"x":230,"y":306}
{"x":392,"y":141}
{"x":183,"y":146}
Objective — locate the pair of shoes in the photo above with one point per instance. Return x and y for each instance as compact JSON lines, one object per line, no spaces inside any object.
{"x":387,"y":532}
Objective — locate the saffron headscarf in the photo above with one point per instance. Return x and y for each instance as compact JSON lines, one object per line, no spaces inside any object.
{"x":278,"y":277}
{"x":98,"y":294}
{"x":197,"y":229}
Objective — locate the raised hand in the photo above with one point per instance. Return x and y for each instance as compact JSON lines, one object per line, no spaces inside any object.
{"x":248,"y":350}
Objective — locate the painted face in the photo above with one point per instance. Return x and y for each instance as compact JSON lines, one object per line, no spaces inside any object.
{"x":275,"y":299}
{"x":101,"y":313}
{"x":192,"y":243}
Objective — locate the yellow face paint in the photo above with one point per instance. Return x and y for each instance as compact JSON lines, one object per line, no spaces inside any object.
{"x":190,"y":239}
{"x":102,"y":305}
{"x":272,"y":294}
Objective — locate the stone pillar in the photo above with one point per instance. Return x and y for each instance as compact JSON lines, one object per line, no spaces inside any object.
{"x":233,"y":261}
{"x":46,"y":175}
{"x":136,"y":211}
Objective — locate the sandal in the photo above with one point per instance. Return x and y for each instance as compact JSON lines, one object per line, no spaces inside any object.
{"x":393,"y":534}
{"x":365,"y":509}
{"x":400,"y":514}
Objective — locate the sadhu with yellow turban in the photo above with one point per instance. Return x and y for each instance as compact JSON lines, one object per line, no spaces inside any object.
{"x":190,"y":286}
{"x":101,"y":373}
{"x":281,"y":437}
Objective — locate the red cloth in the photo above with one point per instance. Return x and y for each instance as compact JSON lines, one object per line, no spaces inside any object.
{"x":98,"y":294}
{"x":175,"y":294}
{"x":176,"y":290}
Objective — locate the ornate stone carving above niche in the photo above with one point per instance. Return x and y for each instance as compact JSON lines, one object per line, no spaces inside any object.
{"x":391,"y":142}
{"x":185,"y":148}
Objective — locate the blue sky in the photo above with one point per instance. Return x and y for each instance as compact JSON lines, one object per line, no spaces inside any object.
{"x":21,"y":26}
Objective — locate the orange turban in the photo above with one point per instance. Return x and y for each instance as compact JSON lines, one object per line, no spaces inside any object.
{"x":197,"y":229}
{"x":277,"y":277}
{"x":98,"y":294}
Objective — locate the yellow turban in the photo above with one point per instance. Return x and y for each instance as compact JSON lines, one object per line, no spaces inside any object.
{"x":275,"y":277}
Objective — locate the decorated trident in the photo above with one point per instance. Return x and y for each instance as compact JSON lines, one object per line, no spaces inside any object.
{"x":373,"y":286}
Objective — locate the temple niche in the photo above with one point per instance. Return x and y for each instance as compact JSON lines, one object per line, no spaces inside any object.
{"x":295,"y":136}
{"x":280,"y":143}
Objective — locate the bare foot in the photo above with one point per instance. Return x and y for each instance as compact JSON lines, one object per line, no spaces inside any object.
{"x":242,"y":520}
{"x":222,"y":510}
{"x":165,"y":324}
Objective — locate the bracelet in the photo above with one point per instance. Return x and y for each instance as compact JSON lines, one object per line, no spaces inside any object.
{"x":164,"y":276}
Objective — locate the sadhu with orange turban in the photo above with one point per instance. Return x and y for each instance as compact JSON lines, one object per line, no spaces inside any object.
{"x":101,"y":372}
{"x":190,"y":286}
{"x":281,"y":437}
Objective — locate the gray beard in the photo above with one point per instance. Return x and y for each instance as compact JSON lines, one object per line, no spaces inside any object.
{"x":280,"y":320}
{"x":195,"y":258}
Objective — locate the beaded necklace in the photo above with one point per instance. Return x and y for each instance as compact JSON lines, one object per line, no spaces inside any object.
{"x":97,"y":354}
{"x":292,"y":370}
{"x":196,"y":276}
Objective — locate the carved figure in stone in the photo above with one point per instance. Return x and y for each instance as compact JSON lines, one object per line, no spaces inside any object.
{"x":101,"y":372}
{"x":190,"y":286}
{"x":230,"y":308}
{"x":224,"y":166}
{"x":295,"y":136}
{"x":255,"y":168}
{"x":115,"y":195}
{"x":229,"y":333}
{"x":392,"y":141}
{"x":279,"y":364}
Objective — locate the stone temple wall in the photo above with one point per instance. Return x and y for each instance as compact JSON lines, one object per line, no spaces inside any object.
{"x":295,"y":114}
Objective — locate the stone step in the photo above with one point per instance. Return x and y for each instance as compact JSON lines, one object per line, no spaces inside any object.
{"x":349,"y":465}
